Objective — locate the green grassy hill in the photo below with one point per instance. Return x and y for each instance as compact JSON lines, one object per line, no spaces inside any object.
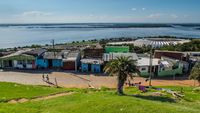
{"x":97,"y":101}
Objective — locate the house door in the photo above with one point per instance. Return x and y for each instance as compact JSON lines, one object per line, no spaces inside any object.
{"x":50,"y":63}
{"x":89,"y":67}
{"x":10,"y":63}
{"x":156,"y":71}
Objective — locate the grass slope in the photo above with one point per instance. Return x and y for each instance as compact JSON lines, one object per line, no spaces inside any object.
{"x":107,"y":101}
{"x":10,"y":91}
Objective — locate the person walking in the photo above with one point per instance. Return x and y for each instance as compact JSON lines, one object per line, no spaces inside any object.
{"x":47,"y":78}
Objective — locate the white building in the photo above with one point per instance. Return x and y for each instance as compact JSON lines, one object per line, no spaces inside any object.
{"x":143,"y":64}
{"x":111,"y":56}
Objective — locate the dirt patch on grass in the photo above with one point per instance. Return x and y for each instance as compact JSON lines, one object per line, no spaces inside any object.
{"x":23,"y":100}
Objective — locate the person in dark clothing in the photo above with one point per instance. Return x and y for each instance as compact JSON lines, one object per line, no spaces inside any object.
{"x":47,"y":77}
{"x":43,"y":78}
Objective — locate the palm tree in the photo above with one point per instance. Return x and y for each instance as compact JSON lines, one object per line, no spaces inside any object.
{"x":195,"y":73}
{"x":122,"y":67}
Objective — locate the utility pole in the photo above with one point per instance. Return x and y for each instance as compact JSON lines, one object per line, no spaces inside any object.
{"x":53,"y":43}
{"x":150,"y":70}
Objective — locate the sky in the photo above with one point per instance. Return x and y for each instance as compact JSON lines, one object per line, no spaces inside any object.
{"x":92,"y":11}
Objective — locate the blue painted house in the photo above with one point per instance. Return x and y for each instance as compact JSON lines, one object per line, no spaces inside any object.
{"x":91,"y":65}
{"x":39,"y":61}
{"x":54,"y":59}
{"x":42,"y":63}
{"x":96,"y":68}
{"x":84,"y":67}
{"x":49,"y":60}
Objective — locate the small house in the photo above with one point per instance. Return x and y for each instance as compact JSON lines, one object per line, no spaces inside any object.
{"x":51,"y":60}
{"x":71,"y":60}
{"x":92,"y":65}
{"x":143,"y":66}
{"x":169,"y":68}
{"x":19,"y":60}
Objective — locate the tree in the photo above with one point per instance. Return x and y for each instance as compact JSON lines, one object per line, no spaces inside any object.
{"x":122,"y":67}
{"x":195,"y":73}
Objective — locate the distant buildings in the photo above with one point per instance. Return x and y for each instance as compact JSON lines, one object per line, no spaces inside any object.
{"x":154,"y":42}
{"x":94,"y":58}
{"x":41,"y":59}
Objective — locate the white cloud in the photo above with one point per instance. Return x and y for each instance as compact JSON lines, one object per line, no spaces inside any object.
{"x":155,"y":15}
{"x":143,"y":8}
{"x":185,"y":16}
{"x":163,"y":16}
{"x":134,"y":9}
{"x":36,"y":13}
{"x":174,"y":16}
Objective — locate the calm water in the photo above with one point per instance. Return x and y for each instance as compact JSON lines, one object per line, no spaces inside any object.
{"x":20,"y":35}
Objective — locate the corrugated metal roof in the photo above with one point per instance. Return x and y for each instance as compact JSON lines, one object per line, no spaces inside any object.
{"x":35,"y":52}
{"x":71,"y":56}
{"x":16,"y":53}
{"x":51,"y":55}
{"x":92,"y":61}
{"x":143,"y":61}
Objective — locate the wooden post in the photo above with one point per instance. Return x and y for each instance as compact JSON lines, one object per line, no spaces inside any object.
{"x":56,"y":83}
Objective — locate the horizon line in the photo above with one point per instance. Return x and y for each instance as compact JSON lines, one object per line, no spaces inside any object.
{"x":106,"y":23}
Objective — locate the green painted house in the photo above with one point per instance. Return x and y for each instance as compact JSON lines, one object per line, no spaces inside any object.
{"x":168,"y":68}
{"x":160,"y":68}
{"x":117,"y":49}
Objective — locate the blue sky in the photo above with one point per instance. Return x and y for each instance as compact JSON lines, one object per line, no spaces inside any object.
{"x":72,"y":11}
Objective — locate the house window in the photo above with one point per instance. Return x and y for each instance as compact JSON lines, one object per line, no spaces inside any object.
{"x":29,"y":62}
{"x":143,"y":69}
{"x":20,"y":62}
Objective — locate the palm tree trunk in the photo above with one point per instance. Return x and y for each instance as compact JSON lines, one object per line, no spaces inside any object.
{"x":199,"y":83}
{"x":120,"y":87}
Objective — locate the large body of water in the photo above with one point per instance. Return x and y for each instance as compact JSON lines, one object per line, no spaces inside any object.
{"x":13,"y":35}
